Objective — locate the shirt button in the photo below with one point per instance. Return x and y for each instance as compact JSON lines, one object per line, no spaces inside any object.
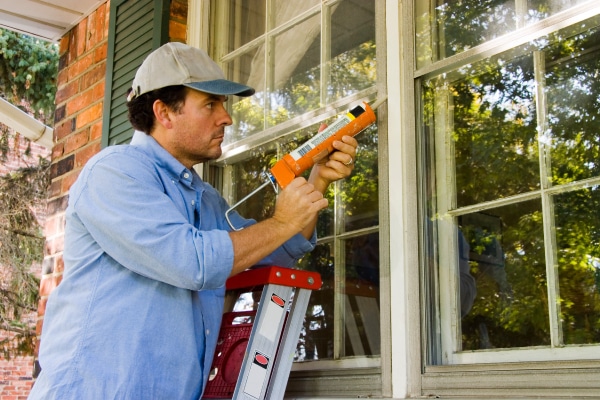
{"x":207,"y":332}
{"x":193,"y":202}
{"x":186,"y":175}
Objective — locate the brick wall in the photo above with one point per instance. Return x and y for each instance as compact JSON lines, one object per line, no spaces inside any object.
{"x":17,"y":157}
{"x":15,"y":379}
{"x":78,"y":125}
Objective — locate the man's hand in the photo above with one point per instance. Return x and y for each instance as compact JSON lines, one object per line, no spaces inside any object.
{"x":296,"y":211}
{"x":337,"y":165}
{"x":298,"y":203}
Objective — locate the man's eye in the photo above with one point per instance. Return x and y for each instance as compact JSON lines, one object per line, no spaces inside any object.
{"x":210,"y":105}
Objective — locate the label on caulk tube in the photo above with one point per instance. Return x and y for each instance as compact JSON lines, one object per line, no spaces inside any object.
{"x":326,"y":133}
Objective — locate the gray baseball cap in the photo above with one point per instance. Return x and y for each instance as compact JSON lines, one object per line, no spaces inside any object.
{"x":179,"y":64}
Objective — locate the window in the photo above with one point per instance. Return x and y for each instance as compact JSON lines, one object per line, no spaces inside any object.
{"x":309,"y":61}
{"x":510,"y":145}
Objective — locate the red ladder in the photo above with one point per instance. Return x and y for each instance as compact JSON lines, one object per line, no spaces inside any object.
{"x":269,"y":343}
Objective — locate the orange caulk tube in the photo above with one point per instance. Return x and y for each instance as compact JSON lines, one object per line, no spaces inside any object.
{"x":319,"y":146}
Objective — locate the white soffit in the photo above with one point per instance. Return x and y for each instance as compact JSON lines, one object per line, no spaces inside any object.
{"x":48,"y":20}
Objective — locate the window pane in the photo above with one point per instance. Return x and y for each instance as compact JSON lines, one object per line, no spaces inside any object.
{"x":311,"y":53}
{"x":503,"y":278}
{"x":573,"y":103}
{"x":296,"y":80}
{"x":468,"y":23}
{"x":492,"y":129}
{"x":316,"y":337}
{"x":247,"y":113}
{"x":461,"y":25}
{"x":248,"y":21}
{"x":361,"y":296}
{"x":540,"y":9}
{"x":578,"y":247}
{"x":360,"y":193}
{"x":285,"y":10}
{"x":352,"y":65}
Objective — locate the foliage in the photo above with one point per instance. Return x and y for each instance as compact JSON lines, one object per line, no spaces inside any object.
{"x":21,"y":245}
{"x":508,"y":140}
{"x":28,"y":69}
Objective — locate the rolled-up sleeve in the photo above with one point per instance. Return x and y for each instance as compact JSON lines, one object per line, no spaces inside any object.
{"x":145,"y":230}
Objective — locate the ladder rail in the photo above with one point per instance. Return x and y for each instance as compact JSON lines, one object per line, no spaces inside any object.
{"x":287,"y":348}
{"x":273,"y":339}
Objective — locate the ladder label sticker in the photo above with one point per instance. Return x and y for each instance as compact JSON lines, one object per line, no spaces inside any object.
{"x":257,"y":375}
{"x":273,"y":314}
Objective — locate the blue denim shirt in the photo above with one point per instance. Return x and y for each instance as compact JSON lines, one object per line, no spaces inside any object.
{"x":147,"y":253}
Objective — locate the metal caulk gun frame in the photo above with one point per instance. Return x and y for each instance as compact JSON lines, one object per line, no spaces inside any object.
{"x":270,"y":178}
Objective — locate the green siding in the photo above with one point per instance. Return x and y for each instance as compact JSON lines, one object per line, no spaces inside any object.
{"x":136,"y":28}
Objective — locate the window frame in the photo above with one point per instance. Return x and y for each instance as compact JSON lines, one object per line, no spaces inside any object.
{"x":355,"y":375}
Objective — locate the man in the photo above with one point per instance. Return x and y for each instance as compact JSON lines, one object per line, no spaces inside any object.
{"x":148,"y":249}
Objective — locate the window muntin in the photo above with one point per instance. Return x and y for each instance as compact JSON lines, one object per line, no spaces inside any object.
{"x":512,"y":164}
{"x":313,"y":61}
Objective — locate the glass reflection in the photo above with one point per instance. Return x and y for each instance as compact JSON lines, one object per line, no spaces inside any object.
{"x":462,"y":25}
{"x":537,"y":10}
{"x":578,"y":257}
{"x":353,"y":56}
{"x":361,"y":296}
{"x":503,"y":278}
{"x":295,"y":70}
{"x":247,"y":113}
{"x":247,"y":21}
{"x":573,"y":97}
{"x":359,"y":194}
{"x":492,"y":128}
{"x":297,"y":77}
{"x":316,"y":337}
{"x":284,"y":10}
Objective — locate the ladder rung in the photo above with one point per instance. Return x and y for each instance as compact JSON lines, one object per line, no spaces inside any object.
{"x":275,"y":275}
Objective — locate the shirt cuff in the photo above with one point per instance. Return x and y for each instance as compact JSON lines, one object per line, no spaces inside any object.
{"x":218,"y":257}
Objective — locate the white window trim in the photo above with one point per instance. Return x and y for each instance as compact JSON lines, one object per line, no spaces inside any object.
{"x":400,"y":180}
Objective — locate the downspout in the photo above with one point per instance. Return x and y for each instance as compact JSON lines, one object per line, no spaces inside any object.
{"x":25,"y":124}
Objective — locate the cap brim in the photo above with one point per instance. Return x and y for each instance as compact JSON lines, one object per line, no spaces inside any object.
{"x":222,"y":87}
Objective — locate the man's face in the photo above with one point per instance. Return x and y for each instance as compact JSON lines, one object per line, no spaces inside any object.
{"x":198,"y":128}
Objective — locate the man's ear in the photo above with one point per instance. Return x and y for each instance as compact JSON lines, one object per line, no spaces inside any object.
{"x":162,"y":113}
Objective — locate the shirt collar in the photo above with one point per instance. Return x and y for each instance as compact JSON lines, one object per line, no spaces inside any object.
{"x":165,"y":160}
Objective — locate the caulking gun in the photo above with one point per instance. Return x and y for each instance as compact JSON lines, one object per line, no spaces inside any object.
{"x":319,"y":146}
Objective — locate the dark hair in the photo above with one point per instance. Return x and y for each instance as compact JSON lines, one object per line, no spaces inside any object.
{"x":139,"y":110}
